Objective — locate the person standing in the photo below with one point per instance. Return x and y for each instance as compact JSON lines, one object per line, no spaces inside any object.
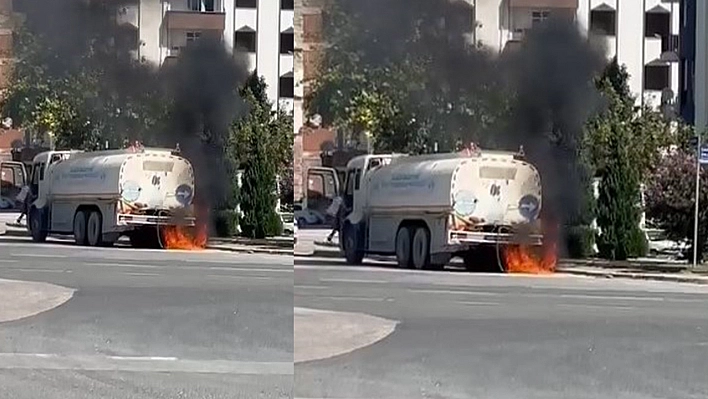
{"x":23,"y":198}
{"x":334,"y":211}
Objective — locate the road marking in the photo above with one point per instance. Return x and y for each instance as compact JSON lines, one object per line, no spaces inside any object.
{"x":605,"y":297}
{"x":588,"y":306}
{"x":37,"y":256}
{"x":245,"y":269}
{"x":137,"y":266}
{"x":142,"y":274}
{"x":8,"y":261}
{"x":43,"y":361}
{"x":478,"y":303}
{"x":39,"y":270}
{"x":357,"y":298}
{"x":221,"y":276}
{"x":311,"y":287}
{"x":427,"y":291}
{"x":344,"y":280}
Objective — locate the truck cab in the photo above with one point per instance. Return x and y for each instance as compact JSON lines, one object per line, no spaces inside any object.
{"x":40,"y":164}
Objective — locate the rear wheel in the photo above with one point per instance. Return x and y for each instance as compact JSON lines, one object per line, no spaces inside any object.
{"x":421,"y":249}
{"x":39,"y":234}
{"x":403,"y":247}
{"x":94,"y":229}
{"x":350,"y":242}
{"x":80,"y":225}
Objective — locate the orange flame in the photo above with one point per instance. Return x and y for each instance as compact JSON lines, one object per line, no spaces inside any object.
{"x":523,"y":259}
{"x":177,"y":237}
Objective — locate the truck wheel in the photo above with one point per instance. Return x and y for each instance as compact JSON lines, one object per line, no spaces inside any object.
{"x":35,"y":226}
{"x":350,"y":241}
{"x":403,"y":247}
{"x":94,"y":229}
{"x":421,"y":249}
{"x":80,"y":228}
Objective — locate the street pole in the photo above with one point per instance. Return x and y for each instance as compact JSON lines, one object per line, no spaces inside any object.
{"x":695,"y":216}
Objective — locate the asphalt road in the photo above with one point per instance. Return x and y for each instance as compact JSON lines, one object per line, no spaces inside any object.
{"x":465,"y":335}
{"x":149,"y":324}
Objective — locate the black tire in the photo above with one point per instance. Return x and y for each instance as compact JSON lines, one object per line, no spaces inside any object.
{"x":404,"y":247}
{"x":420,"y":249}
{"x":350,"y":241}
{"x":94,"y":229}
{"x":35,"y":224}
{"x":80,"y":225}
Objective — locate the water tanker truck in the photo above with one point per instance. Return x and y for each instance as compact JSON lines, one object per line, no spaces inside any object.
{"x":99,"y":196}
{"x":426,"y":209}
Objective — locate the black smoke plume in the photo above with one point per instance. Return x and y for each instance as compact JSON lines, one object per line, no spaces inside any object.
{"x":546,"y":83}
{"x":191,"y":102}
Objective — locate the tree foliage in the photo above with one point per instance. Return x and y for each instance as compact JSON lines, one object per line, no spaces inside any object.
{"x":670,"y":197}
{"x":258,"y":193}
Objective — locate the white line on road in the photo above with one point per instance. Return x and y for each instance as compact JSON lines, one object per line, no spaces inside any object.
{"x":344,"y":280}
{"x":312,"y":287}
{"x":357,"y":298}
{"x":43,"y":361}
{"x":38,"y":256}
{"x":142,"y":274}
{"x":477,"y":293}
{"x":172,"y":267}
{"x":8,"y":261}
{"x":599,"y":307}
{"x":17,"y":269}
{"x":478,"y":303}
{"x":221,"y":276}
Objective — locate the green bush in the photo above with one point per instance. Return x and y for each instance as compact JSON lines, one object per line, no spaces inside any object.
{"x":580,"y":241}
{"x":226,"y":223}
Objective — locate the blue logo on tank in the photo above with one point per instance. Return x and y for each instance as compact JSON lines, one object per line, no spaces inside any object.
{"x":529,"y":207}
{"x":184,"y":194}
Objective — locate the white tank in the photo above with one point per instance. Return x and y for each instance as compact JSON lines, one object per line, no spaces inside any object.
{"x":490,"y":187}
{"x":153,"y":179}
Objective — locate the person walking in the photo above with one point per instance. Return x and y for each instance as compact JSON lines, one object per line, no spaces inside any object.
{"x":335,"y":210}
{"x":23,"y":198}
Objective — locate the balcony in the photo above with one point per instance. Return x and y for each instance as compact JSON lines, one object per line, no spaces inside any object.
{"x":195,"y":20}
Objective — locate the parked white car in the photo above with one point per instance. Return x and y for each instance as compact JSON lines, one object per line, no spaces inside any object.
{"x":659,"y":243}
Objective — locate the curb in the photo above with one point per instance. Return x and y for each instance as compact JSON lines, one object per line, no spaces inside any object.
{"x":251,"y":250}
{"x":635,"y":276}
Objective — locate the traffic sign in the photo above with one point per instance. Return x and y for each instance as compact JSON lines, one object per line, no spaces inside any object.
{"x":703,"y":156}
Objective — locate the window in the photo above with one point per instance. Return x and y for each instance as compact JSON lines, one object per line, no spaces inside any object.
{"x":286,"y":87}
{"x":246,"y":41}
{"x":357,"y":181}
{"x":194,"y":5}
{"x":657,"y":24}
{"x":192,"y":36}
{"x":656,"y":77}
{"x":539,"y":16}
{"x":41,"y":171}
{"x":247,"y":3}
{"x":603,"y":22}
{"x":287,"y":43}
{"x":287,"y":4}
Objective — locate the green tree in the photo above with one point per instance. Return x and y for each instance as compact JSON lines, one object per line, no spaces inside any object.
{"x":257,"y":194}
{"x":625,"y":143}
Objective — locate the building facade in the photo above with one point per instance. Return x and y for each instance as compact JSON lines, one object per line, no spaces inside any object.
{"x":643,"y":34}
{"x":693,"y":98}
{"x":263,"y":29}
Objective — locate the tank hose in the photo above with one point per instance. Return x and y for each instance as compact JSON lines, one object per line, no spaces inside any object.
{"x":500,"y":263}
{"x":157,"y":228}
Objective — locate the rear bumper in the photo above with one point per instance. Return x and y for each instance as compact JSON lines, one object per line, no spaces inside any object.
{"x":125,"y":219}
{"x":457,"y":237}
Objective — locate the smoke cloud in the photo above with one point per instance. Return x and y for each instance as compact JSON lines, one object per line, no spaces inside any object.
{"x":544,"y":87}
{"x":191,"y":103}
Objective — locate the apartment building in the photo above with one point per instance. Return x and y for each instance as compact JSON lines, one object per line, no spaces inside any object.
{"x":263,"y":29}
{"x":693,"y":92}
{"x":643,"y":34}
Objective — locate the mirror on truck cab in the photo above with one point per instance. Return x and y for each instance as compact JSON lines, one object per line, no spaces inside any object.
{"x":322,"y":188}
